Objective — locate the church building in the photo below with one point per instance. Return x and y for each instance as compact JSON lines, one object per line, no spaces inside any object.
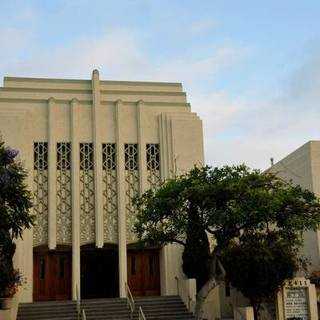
{"x":89,"y":147}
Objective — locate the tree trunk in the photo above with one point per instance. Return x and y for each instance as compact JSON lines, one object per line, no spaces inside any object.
{"x":202,"y":295}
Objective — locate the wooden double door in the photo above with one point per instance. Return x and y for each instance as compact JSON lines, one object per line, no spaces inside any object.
{"x":144,"y":272}
{"x":51,"y":275}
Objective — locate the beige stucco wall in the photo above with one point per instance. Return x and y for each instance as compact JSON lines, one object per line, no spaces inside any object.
{"x":302,"y":167}
{"x":56,"y":110}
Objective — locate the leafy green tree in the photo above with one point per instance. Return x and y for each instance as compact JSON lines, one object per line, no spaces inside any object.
{"x":227,"y":202}
{"x":196,"y":252}
{"x":15,"y":202}
{"x":259,"y":263}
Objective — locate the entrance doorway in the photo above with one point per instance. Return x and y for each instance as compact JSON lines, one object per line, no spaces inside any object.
{"x":144,"y":272}
{"x":99,"y":272}
{"x":51,"y":274}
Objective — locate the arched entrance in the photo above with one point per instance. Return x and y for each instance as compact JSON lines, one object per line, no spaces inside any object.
{"x":143,"y":271}
{"x":52,"y":273}
{"x":99,"y":272}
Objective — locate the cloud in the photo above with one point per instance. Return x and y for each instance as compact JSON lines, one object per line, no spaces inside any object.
{"x":254,"y":130}
{"x":116,"y":52}
{"x":237,"y":128}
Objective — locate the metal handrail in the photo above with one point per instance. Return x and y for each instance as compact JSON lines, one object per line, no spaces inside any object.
{"x":130,"y":301}
{"x":141,"y":314}
{"x":84,"y":317}
{"x":78,"y":303}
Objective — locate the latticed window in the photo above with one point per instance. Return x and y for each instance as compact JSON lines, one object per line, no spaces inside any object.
{"x":86,"y":156}
{"x":153,"y":164}
{"x":40,"y":155}
{"x":110,"y":213}
{"x":132,"y":184}
{"x":87,"y":218}
{"x":40,"y":187}
{"x":131,"y":156}
{"x":63,"y":156}
{"x":64,"y":215}
{"x":109,"y":156}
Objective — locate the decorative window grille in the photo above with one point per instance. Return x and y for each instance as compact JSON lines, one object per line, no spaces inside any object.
{"x":64,"y":214}
{"x":132,"y":185}
{"x":153,"y":165}
{"x":110,"y":210}
{"x":40,"y":186}
{"x":87,"y":218}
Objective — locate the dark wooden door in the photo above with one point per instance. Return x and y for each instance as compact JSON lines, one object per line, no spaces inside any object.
{"x":62,"y":269}
{"x":51,"y":275}
{"x":144,"y":272}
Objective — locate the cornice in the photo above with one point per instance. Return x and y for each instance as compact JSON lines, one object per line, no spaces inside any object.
{"x":89,"y":102}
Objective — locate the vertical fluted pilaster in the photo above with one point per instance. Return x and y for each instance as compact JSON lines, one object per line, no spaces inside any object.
{"x":52,"y":167}
{"x":97,"y":145}
{"x":74,"y":115}
{"x":122,"y":242}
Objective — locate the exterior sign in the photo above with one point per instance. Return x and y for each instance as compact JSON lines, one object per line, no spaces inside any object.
{"x":296,"y":303}
{"x":297,"y":300}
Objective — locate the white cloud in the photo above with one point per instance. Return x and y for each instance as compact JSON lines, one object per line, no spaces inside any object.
{"x":240,"y":129}
{"x":253,"y":131}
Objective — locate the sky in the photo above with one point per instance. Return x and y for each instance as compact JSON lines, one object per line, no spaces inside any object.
{"x":251,"y":69}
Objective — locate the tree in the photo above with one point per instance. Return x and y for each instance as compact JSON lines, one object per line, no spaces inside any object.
{"x":227,"y":202}
{"x":15,"y":202}
{"x":258,"y":264}
{"x":196,"y":252}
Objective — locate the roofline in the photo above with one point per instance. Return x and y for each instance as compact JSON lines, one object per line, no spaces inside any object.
{"x":139,"y":83}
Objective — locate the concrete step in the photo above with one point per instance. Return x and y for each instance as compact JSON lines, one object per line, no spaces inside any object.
{"x":154,"y":308}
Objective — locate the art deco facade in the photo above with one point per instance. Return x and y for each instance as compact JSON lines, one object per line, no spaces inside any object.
{"x":90,"y":146}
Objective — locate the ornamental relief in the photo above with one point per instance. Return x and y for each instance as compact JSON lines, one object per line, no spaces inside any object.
{"x":110,"y":210}
{"x":40,"y":187}
{"x":64,"y":199}
{"x":132,"y":187}
{"x":153,"y":165}
{"x":87,"y":207}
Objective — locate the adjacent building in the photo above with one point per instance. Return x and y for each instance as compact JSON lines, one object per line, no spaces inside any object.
{"x":302,"y":167}
{"x":89,"y":147}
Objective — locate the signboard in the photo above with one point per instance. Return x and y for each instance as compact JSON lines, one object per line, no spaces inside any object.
{"x":296,"y":303}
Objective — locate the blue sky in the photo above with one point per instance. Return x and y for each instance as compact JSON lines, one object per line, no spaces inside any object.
{"x":251,"y":69}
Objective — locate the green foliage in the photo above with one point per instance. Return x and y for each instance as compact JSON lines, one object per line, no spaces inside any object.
{"x":227,"y":201}
{"x":258,"y":264}
{"x":228,"y":204}
{"x":196,"y":252}
{"x":15,"y":203}
{"x":15,"y":199}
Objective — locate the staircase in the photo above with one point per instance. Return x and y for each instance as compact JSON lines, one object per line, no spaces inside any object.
{"x":155,"y":308}
{"x":62,"y":310}
{"x":162,"y":308}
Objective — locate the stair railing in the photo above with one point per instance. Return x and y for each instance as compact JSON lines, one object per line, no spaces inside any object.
{"x":130,"y":301}
{"x":81,"y":314}
{"x":141,"y":314}
{"x":84,"y":317}
{"x":78,"y":303}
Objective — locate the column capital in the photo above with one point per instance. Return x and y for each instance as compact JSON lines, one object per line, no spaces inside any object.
{"x":74,"y":102}
{"x":51,"y":100}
